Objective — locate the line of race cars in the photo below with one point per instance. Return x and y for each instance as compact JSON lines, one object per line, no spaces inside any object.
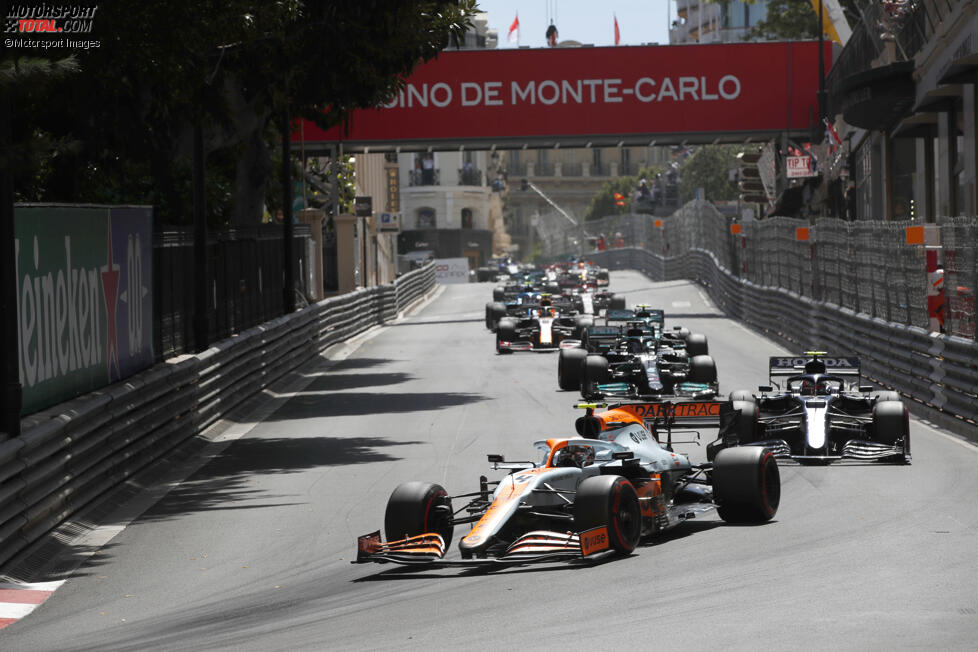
{"x":618,"y":479}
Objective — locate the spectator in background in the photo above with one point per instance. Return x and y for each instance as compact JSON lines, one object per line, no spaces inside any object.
{"x":850,"y":203}
{"x":428,"y":170}
{"x":643,"y":191}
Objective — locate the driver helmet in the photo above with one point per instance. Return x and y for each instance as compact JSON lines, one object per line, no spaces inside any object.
{"x":808,"y":387}
{"x":823,"y":387}
{"x":576,"y":455}
{"x":815,"y":366}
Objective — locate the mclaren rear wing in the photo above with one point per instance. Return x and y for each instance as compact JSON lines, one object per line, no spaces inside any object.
{"x":662,"y":417}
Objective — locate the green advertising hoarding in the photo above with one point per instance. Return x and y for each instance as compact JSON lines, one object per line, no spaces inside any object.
{"x":84,"y":298}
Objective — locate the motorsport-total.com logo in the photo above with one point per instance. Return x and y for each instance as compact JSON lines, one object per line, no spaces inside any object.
{"x":49,"y":26}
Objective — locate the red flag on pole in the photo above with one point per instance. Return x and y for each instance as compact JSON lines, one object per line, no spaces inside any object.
{"x":514,"y":29}
{"x":617,"y":33}
{"x":832,"y":132}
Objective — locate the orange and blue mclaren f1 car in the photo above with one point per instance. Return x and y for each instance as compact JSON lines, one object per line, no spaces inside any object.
{"x":589,"y":495}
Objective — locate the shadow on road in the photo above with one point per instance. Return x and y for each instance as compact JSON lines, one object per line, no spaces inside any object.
{"x":353,"y":363}
{"x":430,"y":322}
{"x":422,"y":572}
{"x":334,"y":382}
{"x":225,"y":482}
{"x":362,"y":403}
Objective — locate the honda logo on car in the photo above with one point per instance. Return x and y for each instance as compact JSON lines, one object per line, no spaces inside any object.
{"x":792,"y":363}
{"x":594,"y":541}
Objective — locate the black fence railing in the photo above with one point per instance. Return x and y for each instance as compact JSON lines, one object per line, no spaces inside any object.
{"x":572,"y":169}
{"x":469,"y":177}
{"x":244,"y":288}
{"x":429,"y":177}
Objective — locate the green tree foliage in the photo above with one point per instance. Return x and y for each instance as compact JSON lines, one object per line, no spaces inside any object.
{"x":23,"y":80}
{"x":709,"y":168}
{"x":789,"y":20}
{"x":603,"y":202}
{"x":237,"y":66}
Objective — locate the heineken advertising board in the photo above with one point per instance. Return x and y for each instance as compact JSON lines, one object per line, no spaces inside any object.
{"x":84,"y":298}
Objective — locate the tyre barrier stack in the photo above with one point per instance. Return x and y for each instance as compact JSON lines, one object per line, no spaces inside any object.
{"x":937,"y":374}
{"x":71,"y":454}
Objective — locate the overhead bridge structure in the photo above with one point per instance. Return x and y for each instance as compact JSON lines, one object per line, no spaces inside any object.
{"x":580,"y":97}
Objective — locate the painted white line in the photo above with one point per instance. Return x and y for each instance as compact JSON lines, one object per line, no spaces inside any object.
{"x":31,"y":586}
{"x":15,"y":609}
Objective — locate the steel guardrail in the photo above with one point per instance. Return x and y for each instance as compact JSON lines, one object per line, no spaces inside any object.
{"x":71,"y":454}
{"x":936,"y":373}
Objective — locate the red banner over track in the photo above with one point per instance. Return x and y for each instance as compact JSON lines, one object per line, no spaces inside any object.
{"x":576,"y":94}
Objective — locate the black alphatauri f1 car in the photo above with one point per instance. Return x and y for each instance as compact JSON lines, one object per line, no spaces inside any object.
{"x":815,"y":415}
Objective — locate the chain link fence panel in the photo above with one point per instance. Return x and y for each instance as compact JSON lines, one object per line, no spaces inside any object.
{"x":863,"y":266}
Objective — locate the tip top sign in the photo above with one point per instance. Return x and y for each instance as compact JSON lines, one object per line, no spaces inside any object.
{"x":800,"y":166}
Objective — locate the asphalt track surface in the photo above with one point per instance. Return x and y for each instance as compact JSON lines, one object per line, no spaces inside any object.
{"x":252,"y":551}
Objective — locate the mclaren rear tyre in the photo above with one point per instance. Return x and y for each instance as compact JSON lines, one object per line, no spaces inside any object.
{"x":743,"y":426}
{"x":746,"y":484}
{"x":891,"y":423}
{"x":609,"y":501}
{"x":888,"y":396}
{"x":740,"y":395}
{"x":569,"y":367}
{"x":746,"y":427}
{"x":418,"y":508}
{"x":696,"y":344}
{"x":702,"y":369}
{"x":505,"y":332}
{"x":498,"y":294}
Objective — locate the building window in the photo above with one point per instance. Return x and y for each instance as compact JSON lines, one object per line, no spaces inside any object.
{"x":466,"y":218}
{"x":543,"y":164}
{"x":596,"y":168}
{"x":424,"y":173}
{"x":514,"y":163}
{"x":426,"y":218}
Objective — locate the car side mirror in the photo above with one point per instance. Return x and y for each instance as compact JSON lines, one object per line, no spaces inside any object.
{"x":765,"y":388}
{"x":495,"y":459}
{"x":865,"y":388}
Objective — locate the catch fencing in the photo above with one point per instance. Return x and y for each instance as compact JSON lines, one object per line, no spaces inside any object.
{"x":71,"y":454}
{"x":244,"y":285}
{"x":849,"y":288}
